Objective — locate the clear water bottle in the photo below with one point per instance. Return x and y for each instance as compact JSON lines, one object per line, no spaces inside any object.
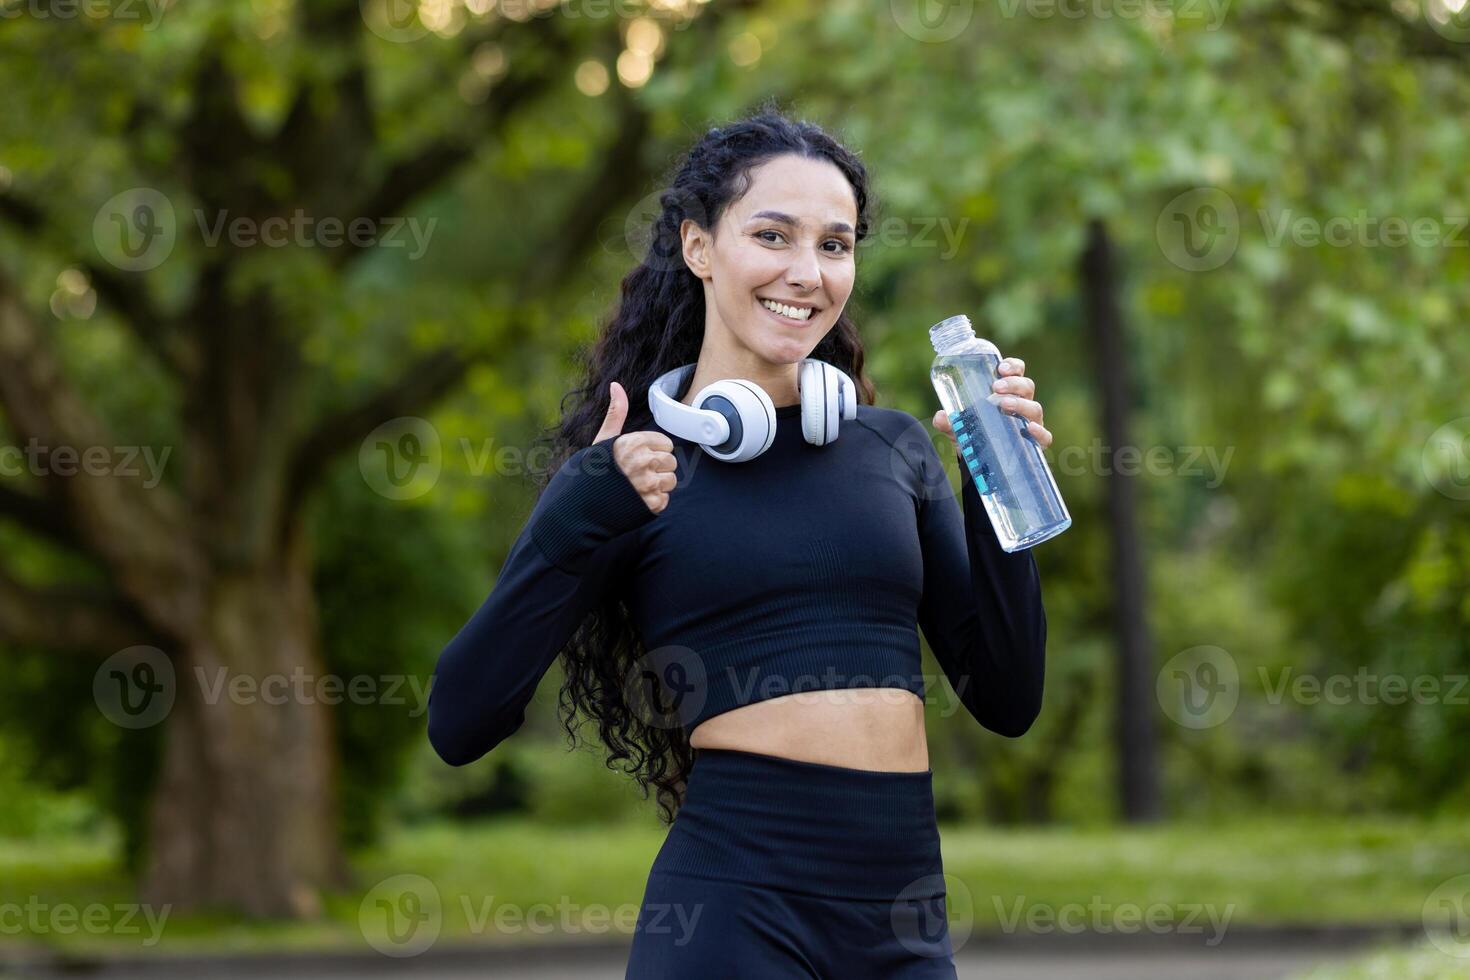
{"x":1005,"y":461}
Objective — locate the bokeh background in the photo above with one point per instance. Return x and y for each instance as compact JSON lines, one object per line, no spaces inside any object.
{"x":288,"y":288}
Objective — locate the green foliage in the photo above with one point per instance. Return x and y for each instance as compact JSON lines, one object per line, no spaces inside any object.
{"x":64,"y":766}
{"x":1318,"y":371}
{"x":393,"y":581}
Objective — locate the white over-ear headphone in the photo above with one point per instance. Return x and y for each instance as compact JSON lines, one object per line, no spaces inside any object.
{"x":734,"y":420}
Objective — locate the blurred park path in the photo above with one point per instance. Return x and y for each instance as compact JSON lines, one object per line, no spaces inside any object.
{"x":1264,"y":957}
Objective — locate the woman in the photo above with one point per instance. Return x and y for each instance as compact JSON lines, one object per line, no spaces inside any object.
{"x":744,"y":632}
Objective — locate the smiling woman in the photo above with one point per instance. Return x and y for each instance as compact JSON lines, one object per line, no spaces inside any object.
{"x":743,"y":630}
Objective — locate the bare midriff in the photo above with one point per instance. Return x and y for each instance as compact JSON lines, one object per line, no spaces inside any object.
{"x":878,"y":728}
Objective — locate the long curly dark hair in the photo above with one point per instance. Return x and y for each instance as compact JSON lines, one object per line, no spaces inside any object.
{"x":659,"y":325}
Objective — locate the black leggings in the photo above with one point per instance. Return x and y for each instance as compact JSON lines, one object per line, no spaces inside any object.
{"x":777,"y":869}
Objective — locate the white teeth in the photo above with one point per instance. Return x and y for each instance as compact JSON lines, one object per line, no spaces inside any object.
{"x":795,"y":313}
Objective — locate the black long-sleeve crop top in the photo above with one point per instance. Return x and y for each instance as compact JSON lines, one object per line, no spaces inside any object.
{"x":805,"y":568}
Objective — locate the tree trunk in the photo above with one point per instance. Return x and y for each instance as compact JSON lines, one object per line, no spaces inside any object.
{"x":245,"y":813}
{"x":1137,"y":752}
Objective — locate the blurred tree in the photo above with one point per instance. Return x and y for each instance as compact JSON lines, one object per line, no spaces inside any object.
{"x":1137,"y":743}
{"x":251,"y":115}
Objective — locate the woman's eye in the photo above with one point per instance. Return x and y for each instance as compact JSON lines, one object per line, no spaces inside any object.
{"x":841,"y":246}
{"x":777,"y":235}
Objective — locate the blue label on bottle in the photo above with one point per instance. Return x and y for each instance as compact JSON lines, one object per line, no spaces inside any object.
{"x":967,"y":452}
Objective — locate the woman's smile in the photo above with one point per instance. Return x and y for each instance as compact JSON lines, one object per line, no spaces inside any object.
{"x":794,"y":313}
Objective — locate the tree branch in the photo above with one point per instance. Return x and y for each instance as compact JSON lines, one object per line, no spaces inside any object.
{"x":420,"y":385}
{"x":414,"y":175}
{"x":126,"y":295}
{"x":40,"y":515}
{"x":330,"y":129}
{"x":433,"y":376}
{"x":623,"y":173}
{"x":73,"y":618}
{"x":139,"y":532}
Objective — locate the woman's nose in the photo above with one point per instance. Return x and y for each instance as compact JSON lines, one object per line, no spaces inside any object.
{"x":804,"y":273}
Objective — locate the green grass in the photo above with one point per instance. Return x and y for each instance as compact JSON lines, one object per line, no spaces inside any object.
{"x":1256,"y":872}
{"x":1275,"y":871}
{"x":1424,"y":962}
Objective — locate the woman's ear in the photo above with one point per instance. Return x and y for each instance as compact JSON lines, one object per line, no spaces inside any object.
{"x":696,"y":242}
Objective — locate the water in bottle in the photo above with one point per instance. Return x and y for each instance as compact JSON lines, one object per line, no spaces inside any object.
{"x":1005,"y":461}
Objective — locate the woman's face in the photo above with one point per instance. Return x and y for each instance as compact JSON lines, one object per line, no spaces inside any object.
{"x":788,"y":240}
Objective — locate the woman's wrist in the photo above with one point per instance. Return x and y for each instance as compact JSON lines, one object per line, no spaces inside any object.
{"x":590,"y":500}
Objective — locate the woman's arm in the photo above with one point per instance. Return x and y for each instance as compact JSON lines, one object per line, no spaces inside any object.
{"x":981,"y":610}
{"x":574,"y":542}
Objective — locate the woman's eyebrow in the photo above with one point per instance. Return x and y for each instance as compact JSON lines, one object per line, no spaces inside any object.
{"x":787,"y":219}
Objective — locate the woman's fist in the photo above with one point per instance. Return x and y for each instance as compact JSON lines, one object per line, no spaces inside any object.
{"x":646,"y":457}
{"x":1019,"y":398}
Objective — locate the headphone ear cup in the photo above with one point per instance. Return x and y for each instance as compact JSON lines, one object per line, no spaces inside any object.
{"x":849,"y":393}
{"x":821,"y":388}
{"x":750,"y":412}
{"x":809,"y":380}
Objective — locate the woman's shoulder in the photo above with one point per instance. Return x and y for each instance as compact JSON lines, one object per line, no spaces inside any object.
{"x":891,"y":422}
{"x":896,"y":431}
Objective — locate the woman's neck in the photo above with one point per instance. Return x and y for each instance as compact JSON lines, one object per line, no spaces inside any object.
{"x":777,"y":380}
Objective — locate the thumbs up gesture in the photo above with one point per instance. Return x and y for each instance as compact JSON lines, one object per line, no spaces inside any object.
{"x":645,"y":457}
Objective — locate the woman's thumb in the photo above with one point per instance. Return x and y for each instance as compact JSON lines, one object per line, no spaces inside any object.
{"x":617,"y":412}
